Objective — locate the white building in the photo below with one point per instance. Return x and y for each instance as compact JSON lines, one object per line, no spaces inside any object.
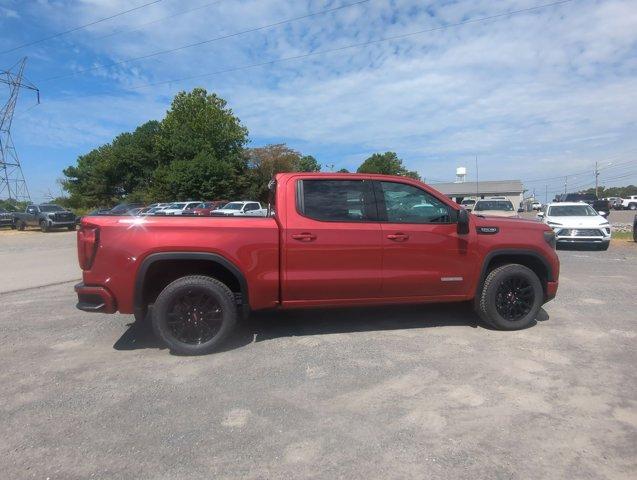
{"x":457,"y":191}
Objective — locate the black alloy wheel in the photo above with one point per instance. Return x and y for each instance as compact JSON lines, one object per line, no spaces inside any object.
{"x":514,"y":298}
{"x":194,"y":317}
{"x":510,"y":298}
{"x":194,"y":314}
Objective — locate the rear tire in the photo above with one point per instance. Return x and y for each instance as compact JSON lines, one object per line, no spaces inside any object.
{"x":71,"y":228}
{"x":194,"y":315}
{"x":632,"y":206}
{"x":22,"y":226}
{"x":511,"y":297}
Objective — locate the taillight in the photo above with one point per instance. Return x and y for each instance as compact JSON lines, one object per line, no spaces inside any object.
{"x":87,"y":242}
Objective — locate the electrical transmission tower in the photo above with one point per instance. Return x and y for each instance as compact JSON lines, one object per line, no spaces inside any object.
{"x":12,"y":183}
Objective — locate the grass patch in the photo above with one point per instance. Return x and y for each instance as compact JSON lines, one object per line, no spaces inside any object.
{"x":622,"y":236}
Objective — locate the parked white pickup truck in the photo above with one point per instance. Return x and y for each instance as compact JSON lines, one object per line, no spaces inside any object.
{"x":246,"y":208}
{"x":630,"y":203}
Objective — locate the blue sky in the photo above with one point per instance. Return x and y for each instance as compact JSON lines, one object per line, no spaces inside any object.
{"x":534,"y":96}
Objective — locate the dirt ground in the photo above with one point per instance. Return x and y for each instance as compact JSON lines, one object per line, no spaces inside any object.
{"x":409,"y":392}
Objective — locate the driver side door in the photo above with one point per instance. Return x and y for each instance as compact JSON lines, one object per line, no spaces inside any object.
{"x":423,"y":255}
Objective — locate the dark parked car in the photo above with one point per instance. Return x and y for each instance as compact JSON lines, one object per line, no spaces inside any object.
{"x":45,"y":216}
{"x":125,"y":208}
{"x":6,"y":218}
{"x":93,"y":213}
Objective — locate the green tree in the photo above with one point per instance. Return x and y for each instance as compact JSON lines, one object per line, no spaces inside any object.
{"x":622,"y":192}
{"x":112,"y":172}
{"x":308,"y":163}
{"x":386,"y":163}
{"x":201,"y":122}
{"x":343,"y":170}
{"x":265,"y":162}
{"x":180,"y":157}
{"x":202,"y":178}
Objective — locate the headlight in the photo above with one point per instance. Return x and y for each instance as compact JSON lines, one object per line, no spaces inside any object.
{"x":554,"y":224}
{"x":604,"y":223}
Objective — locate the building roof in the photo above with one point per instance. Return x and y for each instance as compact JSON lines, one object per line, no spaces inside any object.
{"x":492,"y":187}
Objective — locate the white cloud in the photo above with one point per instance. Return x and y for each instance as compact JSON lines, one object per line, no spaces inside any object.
{"x":556,"y":87}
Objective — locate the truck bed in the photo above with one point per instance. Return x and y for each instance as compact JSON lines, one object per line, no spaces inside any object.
{"x":125,"y":242}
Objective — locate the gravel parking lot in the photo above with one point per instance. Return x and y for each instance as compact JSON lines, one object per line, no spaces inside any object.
{"x":410,"y":392}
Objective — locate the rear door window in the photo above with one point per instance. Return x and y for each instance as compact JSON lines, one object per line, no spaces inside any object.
{"x":336,"y":200}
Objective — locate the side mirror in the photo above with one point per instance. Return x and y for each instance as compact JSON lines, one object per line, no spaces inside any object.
{"x":520,"y":210}
{"x":463,"y":222}
{"x":540,"y":214}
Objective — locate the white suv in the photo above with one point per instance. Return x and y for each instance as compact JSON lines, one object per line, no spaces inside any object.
{"x":577,"y":223}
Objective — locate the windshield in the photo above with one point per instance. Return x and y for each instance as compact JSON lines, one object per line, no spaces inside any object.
{"x":176,"y":206}
{"x":50,"y":208}
{"x":572,"y":211}
{"x":502,"y":205}
{"x":468,"y":202}
{"x":233,"y":206}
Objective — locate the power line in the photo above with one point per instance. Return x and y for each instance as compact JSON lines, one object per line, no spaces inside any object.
{"x":210,"y":40}
{"x":582,"y":172}
{"x":357,"y":45}
{"x":162,"y":19}
{"x":80,"y":27}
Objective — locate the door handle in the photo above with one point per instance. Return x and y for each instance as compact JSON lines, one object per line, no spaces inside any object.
{"x":398,"y":237}
{"x":304,"y":237}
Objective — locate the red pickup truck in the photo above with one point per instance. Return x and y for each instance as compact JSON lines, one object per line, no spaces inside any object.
{"x":331,"y":240}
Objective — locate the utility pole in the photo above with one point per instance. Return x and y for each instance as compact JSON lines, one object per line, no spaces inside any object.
{"x":546,"y":194}
{"x":11,"y":176}
{"x":565,"y":184}
{"x":477,"y":181}
{"x":596,"y":179}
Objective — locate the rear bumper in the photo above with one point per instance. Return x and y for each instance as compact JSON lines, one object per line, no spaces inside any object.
{"x":94,"y":299}
{"x":551,"y":291}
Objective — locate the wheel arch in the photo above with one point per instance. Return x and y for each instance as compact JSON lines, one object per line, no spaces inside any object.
{"x":528,"y":258}
{"x":159,"y":269}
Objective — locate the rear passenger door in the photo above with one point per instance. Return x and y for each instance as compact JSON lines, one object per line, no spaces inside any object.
{"x":332,"y":242}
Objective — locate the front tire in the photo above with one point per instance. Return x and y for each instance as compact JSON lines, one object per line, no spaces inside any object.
{"x":22,"y":226}
{"x":511,"y":297}
{"x":194,"y":315}
{"x":44,"y":226}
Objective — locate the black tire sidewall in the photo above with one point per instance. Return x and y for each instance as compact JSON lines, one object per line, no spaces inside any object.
{"x":215,"y":288}
{"x":490,"y":313}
